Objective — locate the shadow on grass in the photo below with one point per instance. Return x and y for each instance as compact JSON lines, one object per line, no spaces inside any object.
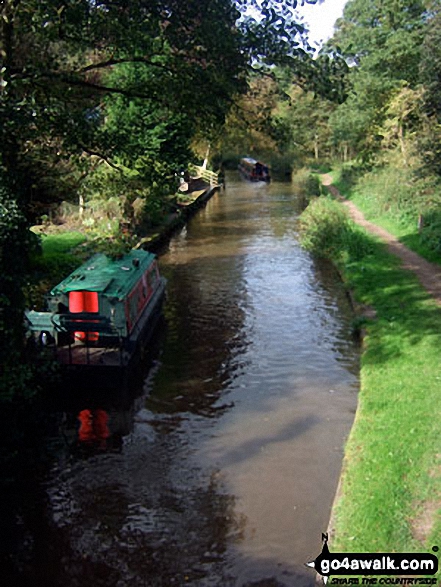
{"x":348,"y":179}
{"x":406,"y":313}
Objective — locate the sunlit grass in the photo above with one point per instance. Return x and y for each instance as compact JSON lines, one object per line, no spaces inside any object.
{"x":371,"y":195}
{"x":60,"y":243}
{"x":392,"y":468}
{"x":58,"y":258}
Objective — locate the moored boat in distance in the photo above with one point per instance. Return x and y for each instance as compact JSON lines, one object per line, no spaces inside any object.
{"x":254,"y":170}
{"x":102,"y":312}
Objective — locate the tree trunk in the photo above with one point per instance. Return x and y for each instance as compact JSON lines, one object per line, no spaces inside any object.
{"x":402,"y":142}
{"x":81,"y":206}
{"x":205,"y":163}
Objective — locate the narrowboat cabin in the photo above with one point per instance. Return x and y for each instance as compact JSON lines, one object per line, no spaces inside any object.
{"x":100,"y":314}
{"x":254,"y":170}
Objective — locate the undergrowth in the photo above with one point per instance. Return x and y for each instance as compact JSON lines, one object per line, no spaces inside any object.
{"x":326,"y":231}
{"x":308,"y":184}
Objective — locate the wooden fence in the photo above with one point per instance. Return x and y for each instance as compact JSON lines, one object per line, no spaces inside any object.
{"x":210,"y":176}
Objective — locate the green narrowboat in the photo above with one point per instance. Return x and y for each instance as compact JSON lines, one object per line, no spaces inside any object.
{"x":99,"y":314}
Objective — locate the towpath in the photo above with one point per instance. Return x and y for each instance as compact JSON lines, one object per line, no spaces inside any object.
{"x":429,"y":274}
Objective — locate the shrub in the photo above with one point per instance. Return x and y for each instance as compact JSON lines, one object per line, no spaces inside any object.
{"x":326,"y":231}
{"x":431,"y":232}
{"x":308,"y":184}
{"x":322,"y":227}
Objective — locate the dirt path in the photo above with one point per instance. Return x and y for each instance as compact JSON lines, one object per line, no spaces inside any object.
{"x":428,"y":273}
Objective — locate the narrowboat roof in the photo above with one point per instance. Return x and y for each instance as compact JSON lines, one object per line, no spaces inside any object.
{"x":252,"y":161}
{"x":112,"y":277}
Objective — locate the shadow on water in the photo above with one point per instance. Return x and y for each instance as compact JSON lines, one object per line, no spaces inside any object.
{"x":105,"y":522}
{"x":250,"y":448}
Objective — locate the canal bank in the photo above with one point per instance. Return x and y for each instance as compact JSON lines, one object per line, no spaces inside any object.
{"x":389,"y":495}
{"x":195,"y":197}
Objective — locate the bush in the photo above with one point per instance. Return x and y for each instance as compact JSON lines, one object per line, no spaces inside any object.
{"x":322,"y":227}
{"x":326,"y":231}
{"x":431,"y":232}
{"x":17,"y":245}
{"x":392,"y":190}
{"x":313,"y":185}
{"x":308,"y":184}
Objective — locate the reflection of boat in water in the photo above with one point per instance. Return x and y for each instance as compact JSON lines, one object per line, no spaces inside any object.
{"x":93,"y":426}
{"x":254,"y":170}
{"x":102,"y":312}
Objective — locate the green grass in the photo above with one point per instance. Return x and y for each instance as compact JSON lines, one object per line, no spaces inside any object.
{"x":59,"y":257}
{"x":382,"y":195}
{"x":392,"y":466}
{"x":61,"y":243}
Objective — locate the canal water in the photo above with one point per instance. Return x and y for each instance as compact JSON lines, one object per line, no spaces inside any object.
{"x":221,"y":468}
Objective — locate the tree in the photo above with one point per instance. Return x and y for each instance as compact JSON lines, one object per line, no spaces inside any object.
{"x":57,"y":56}
{"x":121,"y":81}
{"x":248,"y":128}
{"x":429,"y":139}
{"x":381,"y":41}
{"x":301,"y":125}
{"x":403,"y":118}
{"x":383,"y":36}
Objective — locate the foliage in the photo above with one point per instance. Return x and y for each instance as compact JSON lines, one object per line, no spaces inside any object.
{"x":326,"y":231}
{"x":278,"y":120}
{"x":346,"y":176}
{"x":16,"y":244}
{"x":390,"y":119}
{"x":403,"y":118}
{"x":248,"y":129}
{"x":301,"y":125}
{"x":382,"y":41}
{"x":70,"y":67}
{"x":114,"y":247}
{"x":382,"y":37}
{"x":430,"y":63}
{"x":431,"y":231}
{"x":57,"y":58}
{"x":308,"y":184}
{"x":392,"y":190}
{"x":395,"y":198}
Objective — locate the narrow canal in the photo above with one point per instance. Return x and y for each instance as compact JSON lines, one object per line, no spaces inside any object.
{"x":223,"y":469}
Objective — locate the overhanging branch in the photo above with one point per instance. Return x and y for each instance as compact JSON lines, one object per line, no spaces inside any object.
{"x":101,"y":156}
{"x":114,"y":61}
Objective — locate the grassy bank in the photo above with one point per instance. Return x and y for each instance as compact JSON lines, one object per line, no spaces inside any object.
{"x":388,"y":197}
{"x":391,"y":482}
